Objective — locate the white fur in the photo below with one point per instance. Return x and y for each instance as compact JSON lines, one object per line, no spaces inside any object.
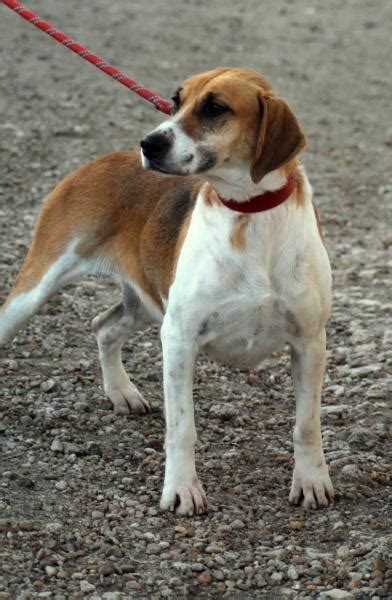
{"x":185,"y":154}
{"x":19,"y":309}
{"x":239,"y":306}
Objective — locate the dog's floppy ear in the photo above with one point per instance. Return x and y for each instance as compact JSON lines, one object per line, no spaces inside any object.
{"x":280,"y":137}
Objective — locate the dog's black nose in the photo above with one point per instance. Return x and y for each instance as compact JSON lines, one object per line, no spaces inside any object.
{"x":155,"y":145}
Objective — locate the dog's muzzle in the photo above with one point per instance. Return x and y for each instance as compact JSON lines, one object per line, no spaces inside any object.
{"x":155,"y":146}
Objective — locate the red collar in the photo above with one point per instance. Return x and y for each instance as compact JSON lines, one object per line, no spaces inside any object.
{"x":264,"y":201}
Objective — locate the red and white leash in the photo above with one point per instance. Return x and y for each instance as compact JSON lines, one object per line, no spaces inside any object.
{"x":160,"y":103}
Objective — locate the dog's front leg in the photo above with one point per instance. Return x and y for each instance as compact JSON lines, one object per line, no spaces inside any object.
{"x":182,"y":491}
{"x":311,"y":481}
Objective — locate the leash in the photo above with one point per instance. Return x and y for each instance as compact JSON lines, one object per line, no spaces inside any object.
{"x":160,"y":103}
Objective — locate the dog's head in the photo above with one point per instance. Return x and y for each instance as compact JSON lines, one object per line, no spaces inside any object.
{"x":224,"y":119}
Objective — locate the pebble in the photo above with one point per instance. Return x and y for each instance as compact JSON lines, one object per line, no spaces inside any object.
{"x":276,"y":577}
{"x":205,"y":577}
{"x":61,"y":485}
{"x":237,"y":524}
{"x":343,"y":552}
{"x":56,"y":445}
{"x":292,"y":573}
{"x":107,"y":569}
{"x":54,"y":526}
{"x":153,"y":549}
{"x":336,"y":594}
{"x":48,"y":385}
{"x":86,"y":586}
{"x":296,"y":525}
{"x":97,"y":514}
{"x":212,"y":548}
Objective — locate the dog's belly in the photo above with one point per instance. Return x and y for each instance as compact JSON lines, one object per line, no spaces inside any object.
{"x":243,"y":338}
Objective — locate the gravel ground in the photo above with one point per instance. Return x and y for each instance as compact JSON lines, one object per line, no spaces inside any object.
{"x":79,"y":485}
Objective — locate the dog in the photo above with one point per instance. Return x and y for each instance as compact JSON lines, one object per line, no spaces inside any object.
{"x":212,"y":228}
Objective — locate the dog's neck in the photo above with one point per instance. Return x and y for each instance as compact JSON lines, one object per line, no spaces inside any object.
{"x":235,"y":183}
{"x":264,"y":201}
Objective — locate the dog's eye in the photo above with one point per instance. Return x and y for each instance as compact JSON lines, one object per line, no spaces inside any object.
{"x":176,"y":102}
{"x":212,"y":108}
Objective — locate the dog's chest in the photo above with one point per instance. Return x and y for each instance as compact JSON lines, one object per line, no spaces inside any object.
{"x":238,"y":303}
{"x":242,"y":333}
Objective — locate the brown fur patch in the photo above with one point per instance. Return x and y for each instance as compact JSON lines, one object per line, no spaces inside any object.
{"x":209,"y":195}
{"x":238,"y":234}
{"x":111,"y":205}
{"x":293,"y":168}
{"x":164,"y":234}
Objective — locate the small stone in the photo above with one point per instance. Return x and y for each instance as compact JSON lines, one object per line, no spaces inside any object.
{"x":212,"y":548}
{"x":115,"y":551}
{"x":296,"y":525}
{"x":276,"y":577}
{"x":336,"y":594}
{"x":26,"y":482}
{"x":4,"y":525}
{"x":26,"y":420}
{"x":55,"y":526}
{"x":350,"y":471}
{"x":48,"y":385}
{"x":107,"y":569}
{"x":379,"y":565}
{"x":97,"y":514}
{"x":242,"y":585}
{"x":205,"y":577}
{"x":26,"y":525}
{"x":50,"y":570}
{"x":153,"y":549}
{"x":343,"y":552}
{"x":292,"y":573}
{"x":180,"y":530}
{"x":133,"y":585}
{"x":362,"y":550}
{"x":237,"y":524}
{"x":94,"y":449}
{"x":260,"y":581}
{"x":56,"y":445}
{"x":61,"y":485}
{"x":86,"y":586}
{"x":218,"y":575}
{"x":197,"y":567}
{"x":224,"y":412}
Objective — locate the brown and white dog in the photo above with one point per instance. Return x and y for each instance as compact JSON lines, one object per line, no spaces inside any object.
{"x":202,"y":255}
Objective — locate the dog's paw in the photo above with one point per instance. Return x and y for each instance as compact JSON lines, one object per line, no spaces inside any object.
{"x":185,"y":498}
{"x":126,"y":399}
{"x":312,"y":486}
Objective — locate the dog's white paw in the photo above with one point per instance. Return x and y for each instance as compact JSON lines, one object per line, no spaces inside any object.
{"x":312,"y":486}
{"x":127,"y":398}
{"x":184,"y":498}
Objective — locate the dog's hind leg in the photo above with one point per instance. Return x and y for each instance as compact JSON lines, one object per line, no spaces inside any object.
{"x":112,"y":328}
{"x":48,"y":266}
